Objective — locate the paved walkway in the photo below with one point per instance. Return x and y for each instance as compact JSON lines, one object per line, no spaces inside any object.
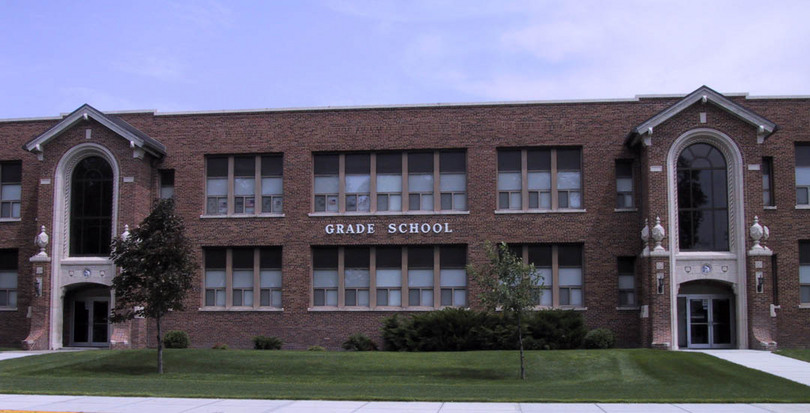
{"x":789,"y":368}
{"x":158,"y":405}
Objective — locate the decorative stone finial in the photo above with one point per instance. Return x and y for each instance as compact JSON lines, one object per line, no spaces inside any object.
{"x":125,"y":234}
{"x":41,"y":241}
{"x":759,"y":233}
{"x":645,"y":237}
{"x":658,"y":234}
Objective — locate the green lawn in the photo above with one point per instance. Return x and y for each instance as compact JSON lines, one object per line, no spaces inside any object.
{"x":638,"y":375}
{"x":803,"y":355}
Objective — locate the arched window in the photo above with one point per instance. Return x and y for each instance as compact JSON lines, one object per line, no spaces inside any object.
{"x":91,"y":200}
{"x":702,"y":199}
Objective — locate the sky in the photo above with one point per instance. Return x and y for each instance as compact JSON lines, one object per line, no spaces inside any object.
{"x":202,"y":55}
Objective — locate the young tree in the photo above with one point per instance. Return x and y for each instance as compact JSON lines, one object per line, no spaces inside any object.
{"x":507,"y":284}
{"x":156,"y":269}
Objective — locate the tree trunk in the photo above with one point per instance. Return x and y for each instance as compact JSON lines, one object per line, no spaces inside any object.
{"x":160,"y":347}
{"x":520,"y":340}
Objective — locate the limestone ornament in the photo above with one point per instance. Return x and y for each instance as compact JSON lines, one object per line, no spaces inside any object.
{"x":41,"y":241}
{"x":658,"y":234}
{"x":759,"y":233}
{"x":125,"y":234}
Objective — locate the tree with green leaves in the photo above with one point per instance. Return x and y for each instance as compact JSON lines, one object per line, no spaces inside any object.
{"x":507,"y":284}
{"x":156,"y":269}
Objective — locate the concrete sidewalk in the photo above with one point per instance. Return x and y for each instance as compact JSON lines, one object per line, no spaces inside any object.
{"x":166,"y":405}
{"x":789,"y":368}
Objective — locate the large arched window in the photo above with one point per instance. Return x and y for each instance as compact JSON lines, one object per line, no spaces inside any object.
{"x":91,"y":200}
{"x":702,"y":199}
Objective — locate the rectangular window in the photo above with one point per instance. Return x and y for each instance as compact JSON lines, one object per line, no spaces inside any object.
{"x":539,"y":179}
{"x":802,"y":174}
{"x":627,"y":281}
{"x":232,"y":274}
{"x":767,"y":182}
{"x":10,"y":189}
{"x":166,"y":177}
{"x":270,"y":277}
{"x":624,"y":184}
{"x":237,"y":184}
{"x":373,"y":277}
{"x":804,"y":272}
{"x":390,"y":181}
{"x":8,"y":278}
{"x":560,"y":269}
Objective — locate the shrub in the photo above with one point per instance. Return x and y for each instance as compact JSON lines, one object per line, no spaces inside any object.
{"x":556,"y":329}
{"x":600,"y":338}
{"x":267,"y":343}
{"x":176,"y":339}
{"x":220,"y":346}
{"x":359,"y":342}
{"x":315,"y":348}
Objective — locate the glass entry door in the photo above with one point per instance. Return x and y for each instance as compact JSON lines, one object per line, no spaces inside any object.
{"x":709,"y":322}
{"x":90,"y":322}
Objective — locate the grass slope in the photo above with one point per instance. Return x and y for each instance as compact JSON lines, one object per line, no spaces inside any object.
{"x":638,"y":375}
{"x":798,"y":354}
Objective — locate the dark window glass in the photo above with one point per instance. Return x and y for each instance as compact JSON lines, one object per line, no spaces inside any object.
{"x":272,"y":165}
{"x":242,"y":257}
{"x":91,"y":208}
{"x":420,"y":162}
{"x":389,"y":163}
{"x":270,"y":257}
{"x":389,"y":257}
{"x":540,"y":255}
{"x":515,"y":249}
{"x":767,"y":182}
{"x":624,"y":169}
{"x":568,"y":159}
{"x":702,"y":199}
{"x":215,"y":258}
{"x":166,"y":177}
{"x":420,"y":257}
{"x":325,"y":257}
{"x":453,"y":257}
{"x":804,"y":252}
{"x":569,"y":255}
{"x":802,"y":155}
{"x":217,"y":167}
{"x":508,"y":160}
{"x":452,"y":162}
{"x":355,"y":257}
{"x":327,"y":164}
{"x":627,"y":265}
{"x":538,"y":159}
{"x":8,"y":260}
{"x":244,"y":166}
{"x":11,"y":172}
{"x":359,"y":164}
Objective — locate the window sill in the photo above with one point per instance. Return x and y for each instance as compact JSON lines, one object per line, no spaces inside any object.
{"x":773,"y":207}
{"x":10,"y":219}
{"x":240,"y":309}
{"x":385,"y":213}
{"x":538,"y":211}
{"x":628,"y":308}
{"x":542,"y":307}
{"x":243,"y":216}
{"x":9,"y":309}
{"x":326,"y":309}
{"x":625,"y":210}
{"x":802,"y":206}
{"x":804,"y":305}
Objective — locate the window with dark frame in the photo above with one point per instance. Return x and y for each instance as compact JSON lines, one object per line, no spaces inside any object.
{"x":236,"y":185}
{"x":325,"y":276}
{"x":803,"y":174}
{"x":768,"y":199}
{"x":560,"y":266}
{"x":232,"y":274}
{"x":627,"y":281}
{"x":8,"y":278}
{"x":270,"y":277}
{"x":539,"y":179}
{"x":804,"y":272}
{"x":702,"y":199}
{"x":91,"y":202}
{"x":166,"y":178}
{"x":10,"y":189}
{"x":389,"y":276}
{"x":242,"y":277}
{"x":215,"y":265}
{"x":356,"y":276}
{"x":624,"y":184}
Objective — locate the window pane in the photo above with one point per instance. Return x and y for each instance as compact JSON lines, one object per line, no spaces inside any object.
{"x":10,"y":193}
{"x":217,"y":187}
{"x":420,"y":278}
{"x":359,"y":164}
{"x":420,"y":162}
{"x":624,"y":185}
{"x":420,"y":257}
{"x":539,"y":180}
{"x":389,"y":277}
{"x":420,"y":183}
{"x":214,"y":279}
{"x":568,"y":180}
{"x":215,"y":258}
{"x":570,"y":255}
{"x":805,"y":294}
{"x":11,"y":172}
{"x":220,"y":294}
{"x":331,"y":297}
{"x":326,"y":184}
{"x":395,"y":298}
{"x":803,"y":175}
{"x":576,"y":297}
{"x":242,"y":279}
{"x":217,"y":167}
{"x":508,"y":160}
{"x":427,"y":203}
{"x":327,"y":164}
{"x":804,"y":274}
{"x":626,"y":282}
{"x":446,"y":297}
{"x":540,"y":255}
{"x":325,"y":279}
{"x":427,"y":298}
{"x":8,"y":280}
{"x":460,"y":202}
{"x":272,"y":186}
{"x":272,"y":165}
{"x":276,"y":298}
{"x":574,"y":200}
{"x":568,"y":159}
{"x":447,"y":201}
{"x":389,"y":183}
{"x":358,"y":183}
{"x":351,"y":297}
{"x":453,"y":183}
{"x":514,"y":200}
{"x":325,"y":258}
{"x":244,"y":186}
{"x":242,"y":258}
{"x":545,"y":200}
{"x":356,"y":278}
{"x":389,"y":163}
{"x":509,"y":181}
{"x":453,"y":278}
{"x":394,"y":202}
{"x":570,"y":276}
{"x":244,"y":166}
{"x":452,"y":162}
{"x":270,"y":278}
{"x":538,"y":159}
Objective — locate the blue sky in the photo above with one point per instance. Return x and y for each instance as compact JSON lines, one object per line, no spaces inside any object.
{"x":213,"y":55}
